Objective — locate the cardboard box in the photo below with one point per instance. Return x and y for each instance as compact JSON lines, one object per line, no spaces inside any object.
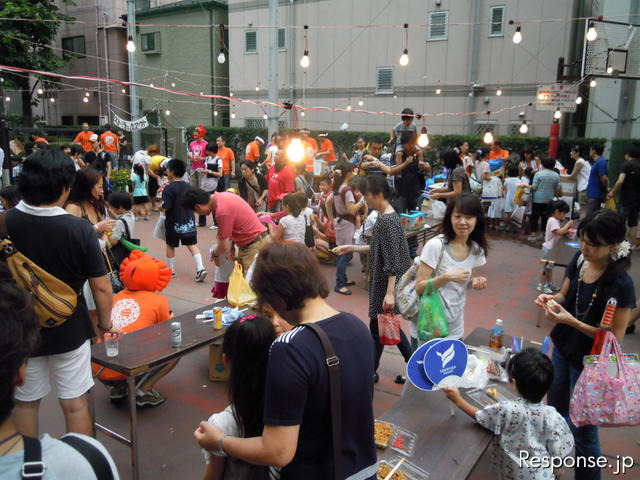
{"x":218,"y":371}
{"x":414,"y":220}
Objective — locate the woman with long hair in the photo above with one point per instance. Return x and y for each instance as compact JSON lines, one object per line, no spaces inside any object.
{"x":528,"y":159}
{"x":389,"y":260}
{"x":457,"y":179}
{"x":596,"y":273}
{"x":450,"y":258}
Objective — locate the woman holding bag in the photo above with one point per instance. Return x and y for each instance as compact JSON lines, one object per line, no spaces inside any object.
{"x":594,"y":275}
{"x":449,"y":259}
{"x":389,"y":260}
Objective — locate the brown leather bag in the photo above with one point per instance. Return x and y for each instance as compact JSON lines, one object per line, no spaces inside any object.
{"x":55,"y":301}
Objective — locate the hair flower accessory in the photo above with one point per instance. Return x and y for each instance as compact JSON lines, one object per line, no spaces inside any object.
{"x":621,"y":251}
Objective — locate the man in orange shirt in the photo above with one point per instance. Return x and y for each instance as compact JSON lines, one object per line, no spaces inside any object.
{"x":228,"y":162}
{"x":497,"y":153}
{"x":139,"y":306}
{"x":111,"y":145}
{"x":83,"y":137}
{"x":326,"y":152}
{"x":252,"y":152}
{"x":310,"y":149}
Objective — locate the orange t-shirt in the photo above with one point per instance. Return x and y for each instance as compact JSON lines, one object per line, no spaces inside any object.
{"x":501,"y":154}
{"x":309,"y":144}
{"x":131,"y":311}
{"x":327,"y":145}
{"x":83,"y":139}
{"x":226,"y":155}
{"x":109,"y":142}
{"x":252,"y":152}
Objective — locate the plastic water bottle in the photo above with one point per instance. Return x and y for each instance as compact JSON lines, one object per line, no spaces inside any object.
{"x":495,"y":339}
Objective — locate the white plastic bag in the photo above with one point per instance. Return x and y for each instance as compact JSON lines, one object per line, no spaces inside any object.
{"x":476,"y":375}
{"x":159,"y":231}
{"x":438,"y":209}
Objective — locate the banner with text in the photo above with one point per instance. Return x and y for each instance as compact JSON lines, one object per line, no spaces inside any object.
{"x":130,"y":126}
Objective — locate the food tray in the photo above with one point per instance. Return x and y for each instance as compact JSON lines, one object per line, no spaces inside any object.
{"x":403,"y":442}
{"x":410,"y":471}
{"x":393,"y":429}
{"x":481,"y":398}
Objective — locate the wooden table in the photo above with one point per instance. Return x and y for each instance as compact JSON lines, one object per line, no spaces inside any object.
{"x":149,"y":348}
{"x":446,"y":446}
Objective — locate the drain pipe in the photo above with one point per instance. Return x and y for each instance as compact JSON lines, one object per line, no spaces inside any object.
{"x":473,"y":77}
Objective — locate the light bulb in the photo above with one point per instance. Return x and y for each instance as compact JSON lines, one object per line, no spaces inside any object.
{"x":498,"y":92}
{"x":541,"y":96}
{"x":438,"y":91}
{"x":86,"y":94}
{"x":524,"y":128}
{"x":221,"y":57}
{"x":231,"y":94}
{"x":302,"y":113}
{"x":215,"y":113}
{"x":488,"y":137}
{"x":173,"y":84}
{"x":609,"y":70}
{"x":233,"y":114}
{"x":517,"y":36}
{"x":423,"y":139}
{"x":304,"y":61}
{"x":131,"y":47}
{"x":167,"y":112}
{"x":557,"y":114}
{"x":295,"y":150}
{"x":85,"y":100}
{"x":53,"y":100}
{"x":348,"y":108}
{"x":40,"y":91}
{"x":257,"y":88}
{"x":201,"y":93}
{"x":592,"y":34}
{"x":578,"y":100}
{"x":593,"y":84}
{"x":360,"y":103}
{"x":404,"y":58}
{"x":265,"y":116}
{"x":124,"y":91}
{"x":7,"y":99}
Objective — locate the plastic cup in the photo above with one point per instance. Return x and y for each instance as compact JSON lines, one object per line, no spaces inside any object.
{"x":111,"y":341}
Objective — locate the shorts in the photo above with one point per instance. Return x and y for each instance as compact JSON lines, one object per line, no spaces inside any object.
{"x":630,"y":213}
{"x":140,"y":200}
{"x":70,"y":371}
{"x":582,"y":198}
{"x":152,"y":186}
{"x":174,"y":239}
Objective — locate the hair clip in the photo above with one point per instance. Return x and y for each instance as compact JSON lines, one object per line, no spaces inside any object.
{"x":248,"y":317}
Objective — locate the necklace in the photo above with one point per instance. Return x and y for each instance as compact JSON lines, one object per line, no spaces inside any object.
{"x":582,"y":316}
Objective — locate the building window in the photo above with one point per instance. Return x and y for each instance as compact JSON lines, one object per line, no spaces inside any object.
{"x":496,"y":21}
{"x":251,"y":42}
{"x":480,"y":128}
{"x":282,"y":39}
{"x":254,"y":122}
{"x":150,"y":42}
{"x":384,"y":80}
{"x":438,"y":26}
{"x":73,"y":47}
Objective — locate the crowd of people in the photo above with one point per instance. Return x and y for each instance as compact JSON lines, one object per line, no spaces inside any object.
{"x":277,"y":218}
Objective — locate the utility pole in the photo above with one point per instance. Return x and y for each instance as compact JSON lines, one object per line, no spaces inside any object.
{"x":272,"y":110}
{"x":133,"y":94}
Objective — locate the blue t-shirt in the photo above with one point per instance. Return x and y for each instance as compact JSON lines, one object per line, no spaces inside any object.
{"x":139,"y":186}
{"x":546,"y":182}
{"x":595,"y":189}
{"x":297,"y":393}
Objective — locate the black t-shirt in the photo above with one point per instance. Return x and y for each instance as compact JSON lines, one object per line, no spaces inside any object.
{"x":408,"y":181}
{"x":97,"y":161}
{"x":572,"y":343}
{"x":630,"y":190}
{"x":297,"y":393}
{"x":67,"y":247}
{"x":178,"y":219}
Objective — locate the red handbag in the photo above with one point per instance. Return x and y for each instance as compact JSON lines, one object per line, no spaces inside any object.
{"x":389,"y":328}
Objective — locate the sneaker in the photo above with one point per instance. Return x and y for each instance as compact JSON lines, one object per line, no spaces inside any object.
{"x":201,"y":275}
{"x":150,"y":399}
{"x":531,"y":238}
{"x":540,"y":287}
{"x":173,"y":274}
{"x":213,"y":227}
{"x":552,"y":287}
{"x":547,"y":291}
{"x":118,"y":393}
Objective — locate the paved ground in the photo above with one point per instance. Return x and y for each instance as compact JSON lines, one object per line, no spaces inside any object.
{"x":168,"y":449}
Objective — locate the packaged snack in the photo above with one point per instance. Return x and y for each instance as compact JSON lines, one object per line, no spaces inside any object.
{"x":404,"y":442}
{"x":382,"y":432}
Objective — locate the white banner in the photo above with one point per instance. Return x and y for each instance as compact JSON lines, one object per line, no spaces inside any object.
{"x":130,"y":126}
{"x":557,"y":95}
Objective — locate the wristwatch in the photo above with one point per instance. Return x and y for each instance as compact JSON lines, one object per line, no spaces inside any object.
{"x":220,"y":443}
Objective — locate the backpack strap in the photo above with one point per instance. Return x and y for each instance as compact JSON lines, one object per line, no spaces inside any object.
{"x":333,"y":364}
{"x":95,"y":457}
{"x":126,"y":229}
{"x":433,"y":273}
{"x":32,"y":467}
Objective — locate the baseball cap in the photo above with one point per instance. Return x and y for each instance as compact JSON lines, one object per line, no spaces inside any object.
{"x":93,"y":138}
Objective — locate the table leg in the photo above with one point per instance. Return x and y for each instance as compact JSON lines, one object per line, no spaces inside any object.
{"x":131,"y":382}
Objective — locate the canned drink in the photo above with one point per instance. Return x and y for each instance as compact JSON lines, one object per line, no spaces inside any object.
{"x":217,"y":312}
{"x":176,"y":334}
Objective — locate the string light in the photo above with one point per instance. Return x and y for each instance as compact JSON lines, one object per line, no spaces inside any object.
{"x":404,"y":58}
{"x":304,"y":61}
{"x":557,"y":114}
{"x":131,"y":47}
{"x":423,"y":139}
{"x":499,"y":92}
{"x":40,"y":91}
{"x":173,"y":84}
{"x":265,"y":116}
{"x":258,"y":88}
{"x":438,"y":91}
{"x":360,"y":102}
{"x":609,"y":70}
{"x":302,"y":113}
{"x":233,"y":115}
{"x":85,"y":99}
{"x":517,"y":36}
{"x":524,"y":128}
{"x":295,"y":150}
{"x":201,"y":93}
{"x":7,"y":99}
{"x":215,"y":113}
{"x":86,"y":94}
{"x":167,"y":112}
{"x":578,"y":100}
{"x":592,"y":34}
{"x":593,"y":83}
{"x":221,"y":56}
{"x":52,"y":100}
{"x":349,"y":105}
{"x":488,"y":137}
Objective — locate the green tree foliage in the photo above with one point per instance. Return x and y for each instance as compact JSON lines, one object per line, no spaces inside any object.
{"x":26,"y":44}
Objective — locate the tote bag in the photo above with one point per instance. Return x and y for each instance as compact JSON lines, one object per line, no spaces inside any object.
{"x":603,"y":400}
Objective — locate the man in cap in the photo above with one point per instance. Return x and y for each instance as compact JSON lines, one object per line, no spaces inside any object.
{"x":326,"y":152}
{"x":252,"y":151}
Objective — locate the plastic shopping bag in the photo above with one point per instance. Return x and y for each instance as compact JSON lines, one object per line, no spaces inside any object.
{"x":610,"y":204}
{"x":432,"y":321}
{"x":389,"y":328}
{"x":602,"y":399}
{"x":407,"y":299}
{"x":239,"y":293}
{"x":438,"y":209}
{"x":159,"y":230}
{"x":252,"y":267}
{"x":517,"y":217}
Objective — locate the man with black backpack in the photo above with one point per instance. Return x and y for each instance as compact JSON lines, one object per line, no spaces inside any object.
{"x":62,"y":252}
{"x":74,"y":456}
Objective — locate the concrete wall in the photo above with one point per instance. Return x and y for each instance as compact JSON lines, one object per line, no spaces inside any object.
{"x":344,"y":61}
